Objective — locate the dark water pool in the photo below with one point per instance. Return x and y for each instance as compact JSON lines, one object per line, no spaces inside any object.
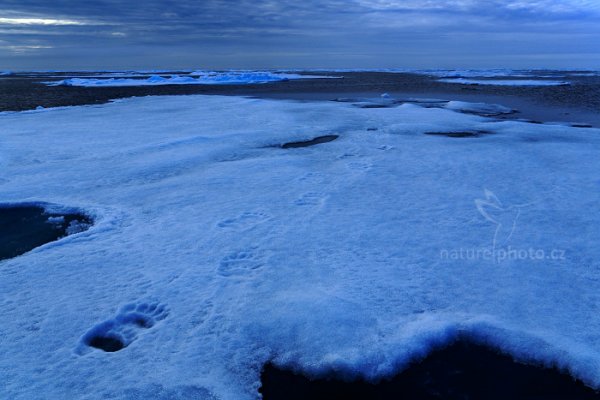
{"x":311,"y":142}
{"x":25,"y":227}
{"x":462,"y":370}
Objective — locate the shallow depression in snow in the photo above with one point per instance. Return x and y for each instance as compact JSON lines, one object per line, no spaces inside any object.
{"x":117,"y":333}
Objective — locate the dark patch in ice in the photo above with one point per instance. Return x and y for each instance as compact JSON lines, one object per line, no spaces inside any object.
{"x":491,"y":112}
{"x":347,"y":100}
{"x":581,"y":125}
{"x":25,"y":227}
{"x":372,"y":129}
{"x":311,"y":142}
{"x":486,"y":113}
{"x":462,"y":370}
{"x":460,"y":134}
{"x":374,"y":105}
{"x":119,"y":332}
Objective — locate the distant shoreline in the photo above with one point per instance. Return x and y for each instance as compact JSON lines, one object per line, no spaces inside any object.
{"x":575,"y":103}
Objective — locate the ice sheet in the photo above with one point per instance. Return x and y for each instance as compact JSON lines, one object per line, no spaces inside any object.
{"x":352,"y":256}
{"x":505,"y":82}
{"x":196,"y":78}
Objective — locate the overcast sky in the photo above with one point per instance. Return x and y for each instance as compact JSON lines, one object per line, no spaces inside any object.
{"x":116,"y":34}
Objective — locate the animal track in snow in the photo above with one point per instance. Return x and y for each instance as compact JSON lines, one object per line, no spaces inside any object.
{"x":246,"y":220}
{"x":312,"y":177}
{"x":241,"y":263}
{"x":120,"y":331}
{"x":360,"y":166}
{"x":310,"y":199}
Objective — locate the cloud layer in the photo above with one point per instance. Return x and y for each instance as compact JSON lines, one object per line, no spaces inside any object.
{"x":37,"y":34}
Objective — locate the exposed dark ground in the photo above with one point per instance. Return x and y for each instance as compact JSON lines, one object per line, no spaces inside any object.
{"x":460,"y":371}
{"x":575,"y":103}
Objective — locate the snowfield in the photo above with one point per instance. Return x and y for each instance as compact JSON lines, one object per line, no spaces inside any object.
{"x":215,"y":250}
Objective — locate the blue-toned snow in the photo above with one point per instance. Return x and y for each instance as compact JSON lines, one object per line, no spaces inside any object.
{"x":505,"y":82}
{"x":478,"y":108}
{"x":340,"y":257}
{"x":503,"y":73}
{"x":476,"y":73}
{"x":195,"y":78}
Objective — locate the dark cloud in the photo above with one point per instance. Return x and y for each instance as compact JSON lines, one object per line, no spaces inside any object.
{"x":37,"y":34}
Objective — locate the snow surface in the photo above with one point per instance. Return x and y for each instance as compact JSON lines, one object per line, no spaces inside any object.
{"x":330,"y":258}
{"x":473,"y":73}
{"x":477,"y":73}
{"x":195,"y":78}
{"x":584,"y":74}
{"x":505,"y":82}
{"x":503,"y":73}
{"x":478,"y":108}
{"x":386,"y":100}
{"x":5,"y":73}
